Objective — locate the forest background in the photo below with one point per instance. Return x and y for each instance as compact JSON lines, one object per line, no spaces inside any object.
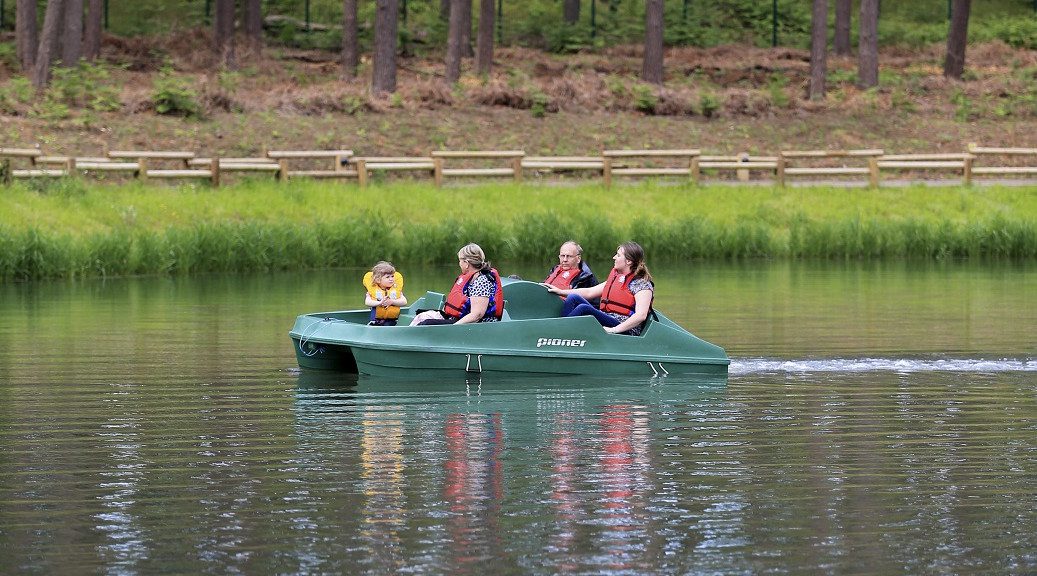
{"x":726,"y":77}
{"x":567,"y":77}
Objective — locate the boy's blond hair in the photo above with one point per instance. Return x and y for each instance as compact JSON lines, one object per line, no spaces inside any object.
{"x":381,"y":270}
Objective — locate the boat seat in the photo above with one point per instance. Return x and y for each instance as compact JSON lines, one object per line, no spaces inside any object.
{"x":524,"y":300}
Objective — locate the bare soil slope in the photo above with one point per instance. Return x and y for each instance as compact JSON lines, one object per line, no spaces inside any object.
{"x":723,"y":100}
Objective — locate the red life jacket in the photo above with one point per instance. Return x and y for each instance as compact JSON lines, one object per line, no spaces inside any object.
{"x":617,"y":297}
{"x":558,"y":279}
{"x":458,"y":304}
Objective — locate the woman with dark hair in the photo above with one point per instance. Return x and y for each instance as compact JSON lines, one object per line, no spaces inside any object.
{"x":626,"y":297}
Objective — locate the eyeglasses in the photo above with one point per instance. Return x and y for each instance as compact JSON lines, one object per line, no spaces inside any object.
{"x":568,"y":255}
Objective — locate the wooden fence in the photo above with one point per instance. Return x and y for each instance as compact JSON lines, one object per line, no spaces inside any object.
{"x":865,"y":167}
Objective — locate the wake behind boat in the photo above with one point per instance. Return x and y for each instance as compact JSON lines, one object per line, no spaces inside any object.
{"x":531,"y":338}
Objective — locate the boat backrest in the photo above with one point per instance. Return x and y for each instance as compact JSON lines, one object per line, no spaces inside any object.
{"x":526,"y":300}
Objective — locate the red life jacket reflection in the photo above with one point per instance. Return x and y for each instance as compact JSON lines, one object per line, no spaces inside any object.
{"x":617,"y":297}
{"x":458,"y":304}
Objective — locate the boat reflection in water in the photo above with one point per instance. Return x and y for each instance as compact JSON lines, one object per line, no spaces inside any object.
{"x":456,"y":463}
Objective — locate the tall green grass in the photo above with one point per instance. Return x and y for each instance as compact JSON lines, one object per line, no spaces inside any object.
{"x":74,"y":229}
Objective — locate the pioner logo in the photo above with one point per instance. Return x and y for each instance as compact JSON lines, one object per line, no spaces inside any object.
{"x":559,"y":342}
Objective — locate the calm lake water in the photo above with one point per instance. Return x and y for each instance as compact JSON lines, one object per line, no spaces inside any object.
{"x":878,"y":418}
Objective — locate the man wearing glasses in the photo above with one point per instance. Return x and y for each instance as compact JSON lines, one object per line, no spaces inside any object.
{"x":571,"y":271}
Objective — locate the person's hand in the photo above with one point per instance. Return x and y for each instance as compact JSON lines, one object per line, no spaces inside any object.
{"x":386,"y":302}
{"x":610,"y":329}
{"x":550,"y":288}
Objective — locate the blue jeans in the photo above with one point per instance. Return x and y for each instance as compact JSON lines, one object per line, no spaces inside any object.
{"x":576,"y":305}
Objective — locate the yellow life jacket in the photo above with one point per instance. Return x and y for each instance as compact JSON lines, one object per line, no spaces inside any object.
{"x":378,"y":293}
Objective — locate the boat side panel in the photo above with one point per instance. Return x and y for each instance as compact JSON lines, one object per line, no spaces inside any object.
{"x":423,"y":364}
{"x":321,"y":356}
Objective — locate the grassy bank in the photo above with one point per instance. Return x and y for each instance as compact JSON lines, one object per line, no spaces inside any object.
{"x":73,"y":228}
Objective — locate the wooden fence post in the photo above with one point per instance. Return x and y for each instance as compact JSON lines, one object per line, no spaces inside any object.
{"x":282,"y":170}
{"x":780,"y":171}
{"x":873,"y":171}
{"x":5,"y":171}
{"x":437,"y":171}
{"x":967,"y":170}
{"x":693,"y":168}
{"x":743,"y":175}
{"x":606,"y":170}
{"x":214,"y":176}
{"x":142,"y":169}
{"x":361,"y":172}
{"x":516,"y":164}
{"x":70,"y":166}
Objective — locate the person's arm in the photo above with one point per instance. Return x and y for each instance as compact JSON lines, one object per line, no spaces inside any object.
{"x":642,"y":303}
{"x":386,"y":302}
{"x":591,"y":280}
{"x":587,"y":293}
{"x":478,"y":310}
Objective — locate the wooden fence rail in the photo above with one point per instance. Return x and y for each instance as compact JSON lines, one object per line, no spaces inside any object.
{"x":439,"y":158}
{"x":857,"y":167}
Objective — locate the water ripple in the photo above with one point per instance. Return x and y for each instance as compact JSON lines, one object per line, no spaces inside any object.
{"x":899,"y":365}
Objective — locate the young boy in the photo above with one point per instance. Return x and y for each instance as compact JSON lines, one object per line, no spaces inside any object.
{"x":384,"y":294}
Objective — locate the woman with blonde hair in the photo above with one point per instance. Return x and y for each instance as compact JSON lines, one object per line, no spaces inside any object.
{"x":476,"y":296}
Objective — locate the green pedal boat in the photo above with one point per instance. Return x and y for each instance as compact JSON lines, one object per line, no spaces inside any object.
{"x":532,"y":338}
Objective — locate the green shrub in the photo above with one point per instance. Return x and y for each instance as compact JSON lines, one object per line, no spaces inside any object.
{"x":8,"y":56}
{"x":85,"y":86}
{"x":709,"y":104}
{"x":645,"y":99}
{"x":173,"y":95}
{"x":776,"y":91}
{"x":912,"y":34}
{"x":963,"y":107}
{"x":16,"y":91}
{"x":540,"y":103}
{"x":839,"y":76}
{"x":1014,"y":31}
{"x":48,"y":109}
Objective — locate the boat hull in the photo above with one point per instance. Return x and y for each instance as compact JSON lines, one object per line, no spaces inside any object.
{"x":533,"y":339}
{"x":417,"y":363}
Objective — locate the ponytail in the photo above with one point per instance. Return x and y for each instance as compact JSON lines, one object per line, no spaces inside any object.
{"x":636,"y":254}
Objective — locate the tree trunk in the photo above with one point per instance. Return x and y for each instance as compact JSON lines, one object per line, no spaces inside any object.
{"x":818,"y":49}
{"x":92,"y":30}
{"x":383,"y":79}
{"x":571,"y":11}
{"x":868,"y":49}
{"x":957,"y":38}
{"x":350,"y":43}
{"x":843,"y":13}
{"x":484,"y":57}
{"x":25,"y":31}
{"x":45,"y":51}
{"x":453,"y":44}
{"x":466,"y":29}
{"x":72,"y":35}
{"x":253,"y":22}
{"x":223,"y":27}
{"x":652,"y":71}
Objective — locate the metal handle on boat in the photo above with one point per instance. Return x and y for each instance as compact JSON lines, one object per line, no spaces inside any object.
{"x":468,"y":363}
{"x":655,"y":373}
